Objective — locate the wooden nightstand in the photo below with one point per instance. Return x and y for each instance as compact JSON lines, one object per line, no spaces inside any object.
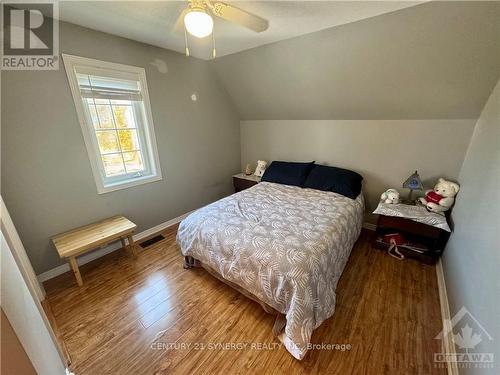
{"x":241,"y":181}
{"x":433,"y":238}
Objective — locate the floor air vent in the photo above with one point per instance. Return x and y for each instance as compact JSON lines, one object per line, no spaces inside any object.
{"x":152,"y":241}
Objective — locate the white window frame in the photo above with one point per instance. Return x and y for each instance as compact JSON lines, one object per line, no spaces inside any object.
{"x":145,"y":126}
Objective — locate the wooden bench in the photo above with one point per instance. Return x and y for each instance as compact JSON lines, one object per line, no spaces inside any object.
{"x":84,"y":239}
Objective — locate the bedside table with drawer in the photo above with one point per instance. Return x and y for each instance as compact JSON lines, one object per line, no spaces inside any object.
{"x":434,"y":238}
{"x":241,"y":181}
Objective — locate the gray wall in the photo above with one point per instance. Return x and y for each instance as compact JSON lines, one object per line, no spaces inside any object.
{"x":47,"y":183}
{"x":385,"y":152}
{"x":383,"y":96}
{"x":472,"y":258}
{"x":437,"y":60}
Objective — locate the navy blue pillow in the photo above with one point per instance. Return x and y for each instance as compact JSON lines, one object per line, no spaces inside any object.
{"x":338,"y":180}
{"x":287,"y":173}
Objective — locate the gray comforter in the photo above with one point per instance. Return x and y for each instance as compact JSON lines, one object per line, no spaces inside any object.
{"x":286,"y":245}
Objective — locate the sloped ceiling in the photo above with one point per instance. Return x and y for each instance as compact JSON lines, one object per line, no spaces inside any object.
{"x":438,"y":60}
{"x":154,"y":22}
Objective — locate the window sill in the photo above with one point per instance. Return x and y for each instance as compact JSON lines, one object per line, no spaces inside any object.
{"x":129,"y":183}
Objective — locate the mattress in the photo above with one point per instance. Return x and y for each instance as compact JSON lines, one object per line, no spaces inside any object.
{"x":285,"y":245}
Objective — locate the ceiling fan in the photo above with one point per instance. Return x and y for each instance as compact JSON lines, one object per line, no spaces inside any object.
{"x":198,"y":19}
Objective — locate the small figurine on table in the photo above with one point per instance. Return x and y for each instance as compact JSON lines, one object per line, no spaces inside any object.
{"x":390,"y":196}
{"x":248,"y":170}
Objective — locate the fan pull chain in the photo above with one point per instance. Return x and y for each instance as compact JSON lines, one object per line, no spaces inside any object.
{"x":214,"y":51}
{"x":186,"y":41}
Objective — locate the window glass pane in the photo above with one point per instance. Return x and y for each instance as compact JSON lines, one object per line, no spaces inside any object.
{"x":113,"y":164}
{"x":93,"y":114}
{"x":133,"y":161}
{"x":105,"y":116}
{"x":108,"y":141}
{"x":128,"y":140}
{"x":124,"y":116}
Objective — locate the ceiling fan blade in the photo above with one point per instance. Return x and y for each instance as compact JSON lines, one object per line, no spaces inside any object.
{"x":239,"y":16}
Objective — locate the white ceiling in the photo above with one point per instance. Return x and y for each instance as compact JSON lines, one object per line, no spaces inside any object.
{"x":153,"y":22}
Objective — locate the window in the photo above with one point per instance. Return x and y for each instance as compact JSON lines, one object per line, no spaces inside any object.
{"x":113,"y":108}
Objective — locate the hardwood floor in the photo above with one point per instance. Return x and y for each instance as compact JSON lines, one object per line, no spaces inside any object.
{"x":151,"y":316}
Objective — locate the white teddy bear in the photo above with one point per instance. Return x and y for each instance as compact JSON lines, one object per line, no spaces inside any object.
{"x":442,"y":197}
{"x":261,"y":167}
{"x":390,"y":196}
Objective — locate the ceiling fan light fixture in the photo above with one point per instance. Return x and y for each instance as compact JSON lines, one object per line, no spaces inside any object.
{"x":198,"y":23}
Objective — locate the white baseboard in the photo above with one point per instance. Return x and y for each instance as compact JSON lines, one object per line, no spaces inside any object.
{"x":108,"y":249}
{"x":370,"y":226}
{"x":448,"y":342}
{"x":137,"y":237}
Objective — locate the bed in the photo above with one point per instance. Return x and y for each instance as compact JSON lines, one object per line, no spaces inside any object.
{"x":284,"y":246}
